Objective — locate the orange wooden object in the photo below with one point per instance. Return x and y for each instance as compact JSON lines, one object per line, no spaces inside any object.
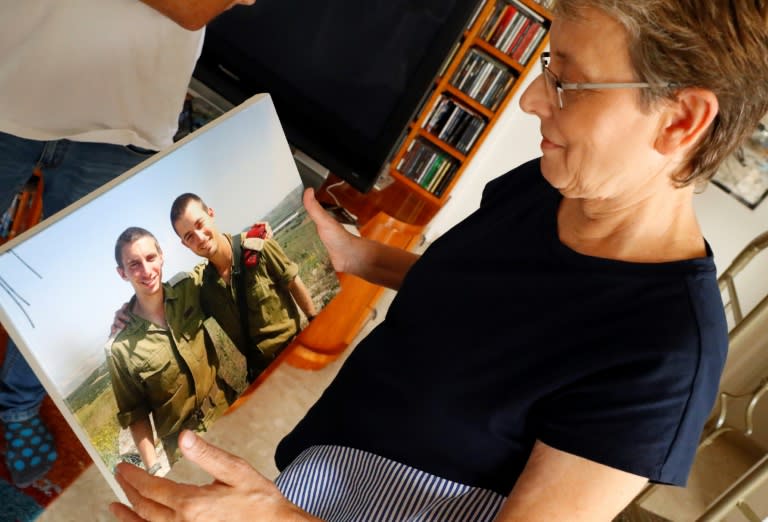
{"x":36,"y":205}
{"x":19,"y":217}
{"x":472,"y":39}
{"x":28,"y":214}
{"x":336,"y":326}
{"x":30,"y":206}
{"x":399,"y":200}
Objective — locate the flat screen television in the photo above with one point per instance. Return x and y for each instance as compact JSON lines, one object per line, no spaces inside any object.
{"x":346,"y":76}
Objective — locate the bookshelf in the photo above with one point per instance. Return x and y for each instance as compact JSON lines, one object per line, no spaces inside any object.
{"x":497,"y":49}
{"x":495,"y":52}
{"x":483,"y":71}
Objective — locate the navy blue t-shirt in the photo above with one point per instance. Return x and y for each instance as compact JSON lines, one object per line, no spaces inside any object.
{"x":501,"y":335}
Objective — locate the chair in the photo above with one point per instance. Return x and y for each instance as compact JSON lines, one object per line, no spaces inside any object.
{"x":736,"y":437}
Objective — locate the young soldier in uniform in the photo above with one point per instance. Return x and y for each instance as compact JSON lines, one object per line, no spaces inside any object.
{"x":272,"y":285}
{"x":163,"y":362}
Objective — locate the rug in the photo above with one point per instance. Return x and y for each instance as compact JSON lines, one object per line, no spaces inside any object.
{"x":24,"y":505}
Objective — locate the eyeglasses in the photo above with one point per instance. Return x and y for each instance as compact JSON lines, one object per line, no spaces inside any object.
{"x":556,"y":88}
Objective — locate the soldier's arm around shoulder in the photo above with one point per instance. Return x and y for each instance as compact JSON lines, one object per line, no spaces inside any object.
{"x":197,"y":273}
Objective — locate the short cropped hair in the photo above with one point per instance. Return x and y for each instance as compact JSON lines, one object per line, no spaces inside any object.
{"x":181,"y":203}
{"x":128,"y":236}
{"x":717,"y":45}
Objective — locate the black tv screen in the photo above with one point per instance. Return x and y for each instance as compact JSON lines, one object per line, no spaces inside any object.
{"x":346,"y":76}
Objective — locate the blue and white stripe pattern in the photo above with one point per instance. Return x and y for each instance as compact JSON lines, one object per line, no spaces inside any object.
{"x":339,"y":484}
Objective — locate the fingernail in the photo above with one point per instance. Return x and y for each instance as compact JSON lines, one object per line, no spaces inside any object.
{"x":187,"y":439}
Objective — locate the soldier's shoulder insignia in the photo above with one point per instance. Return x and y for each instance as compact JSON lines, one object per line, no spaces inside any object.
{"x":254,"y":243}
{"x":178,"y":278}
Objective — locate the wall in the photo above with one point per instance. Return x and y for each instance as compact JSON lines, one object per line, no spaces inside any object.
{"x":514,"y":139}
{"x":729,"y":226}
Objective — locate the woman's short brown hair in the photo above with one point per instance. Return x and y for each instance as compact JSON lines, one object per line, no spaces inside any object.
{"x":718,"y":45}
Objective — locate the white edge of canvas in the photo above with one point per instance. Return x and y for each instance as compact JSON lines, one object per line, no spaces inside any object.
{"x":5,"y":248}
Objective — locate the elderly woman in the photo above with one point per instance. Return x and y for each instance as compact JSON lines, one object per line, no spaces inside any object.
{"x":562,"y":345}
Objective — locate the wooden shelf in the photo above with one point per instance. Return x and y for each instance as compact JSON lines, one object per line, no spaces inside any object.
{"x":473,"y":104}
{"x":406,"y":200}
{"x":403,"y":200}
{"x":450,"y":149}
{"x":496,"y":53}
{"x":540,"y":9}
{"x":415,"y":186}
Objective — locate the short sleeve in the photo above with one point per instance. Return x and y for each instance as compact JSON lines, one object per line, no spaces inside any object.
{"x":281,"y":269}
{"x":644,"y":417}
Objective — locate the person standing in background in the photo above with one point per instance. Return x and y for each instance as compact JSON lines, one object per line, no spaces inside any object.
{"x":88,"y":90}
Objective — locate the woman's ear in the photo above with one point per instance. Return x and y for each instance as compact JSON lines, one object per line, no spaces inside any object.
{"x":686,"y":119}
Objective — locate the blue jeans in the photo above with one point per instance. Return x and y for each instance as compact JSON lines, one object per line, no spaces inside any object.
{"x":71,"y":170}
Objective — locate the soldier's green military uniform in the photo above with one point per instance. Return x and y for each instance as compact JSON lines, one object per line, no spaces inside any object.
{"x":273,"y":317}
{"x":170,"y":373}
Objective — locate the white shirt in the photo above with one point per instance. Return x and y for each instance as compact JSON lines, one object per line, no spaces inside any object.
{"x":108,"y":71}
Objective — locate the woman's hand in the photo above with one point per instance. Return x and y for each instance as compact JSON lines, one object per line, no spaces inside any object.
{"x":238,"y":492}
{"x":375,"y":262}
{"x":341,"y":244}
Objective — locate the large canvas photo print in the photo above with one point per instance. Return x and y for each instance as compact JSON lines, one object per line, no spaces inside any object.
{"x":151,"y":305}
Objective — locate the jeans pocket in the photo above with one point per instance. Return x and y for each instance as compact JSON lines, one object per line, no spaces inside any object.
{"x":139,"y":151}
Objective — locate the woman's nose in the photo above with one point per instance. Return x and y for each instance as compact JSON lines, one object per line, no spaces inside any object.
{"x":535,"y":100}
